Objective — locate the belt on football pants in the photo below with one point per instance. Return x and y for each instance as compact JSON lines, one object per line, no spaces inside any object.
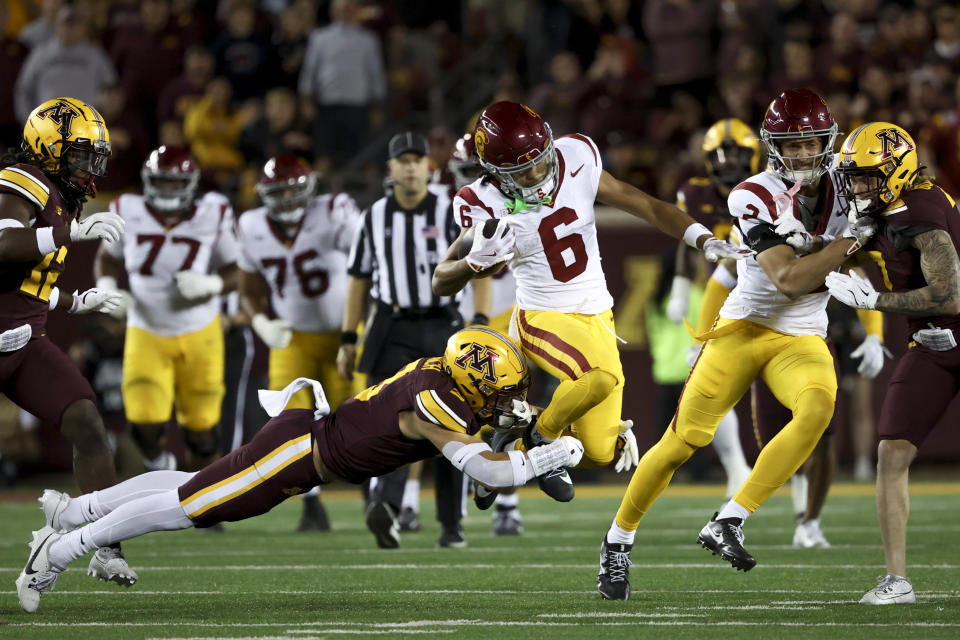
{"x":725,"y":330}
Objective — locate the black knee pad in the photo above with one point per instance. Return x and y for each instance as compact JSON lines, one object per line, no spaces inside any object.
{"x":202,"y":443}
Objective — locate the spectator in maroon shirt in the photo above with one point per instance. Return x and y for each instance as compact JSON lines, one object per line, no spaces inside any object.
{"x":798,"y":69}
{"x":615,"y":97}
{"x":242,"y":53}
{"x":147,"y":57}
{"x":185,"y":90}
{"x":290,"y":42}
{"x":12,"y":55}
{"x":558,"y":100}
{"x":837,"y":61}
{"x":280,"y":129}
{"x":128,"y":139}
{"x":940,"y":140}
{"x":945,"y":48}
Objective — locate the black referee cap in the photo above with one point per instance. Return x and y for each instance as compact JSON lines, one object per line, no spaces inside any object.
{"x":408,"y":141}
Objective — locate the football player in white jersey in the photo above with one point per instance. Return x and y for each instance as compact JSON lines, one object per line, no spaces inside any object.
{"x":542,"y":192}
{"x":178,"y":254}
{"x":293,"y":258}
{"x":773,"y":325}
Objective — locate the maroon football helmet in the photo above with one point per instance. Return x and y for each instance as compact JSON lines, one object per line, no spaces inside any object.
{"x":464,"y":163}
{"x":286,"y":186}
{"x":799,"y":113}
{"x":170,"y":178}
{"x":515,"y":146}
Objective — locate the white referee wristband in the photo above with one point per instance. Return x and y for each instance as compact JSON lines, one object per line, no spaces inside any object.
{"x":693,"y":232}
{"x":45,"y":243}
{"x":54,"y":297}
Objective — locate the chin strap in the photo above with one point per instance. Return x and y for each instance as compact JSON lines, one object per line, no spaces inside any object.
{"x":519,"y":206}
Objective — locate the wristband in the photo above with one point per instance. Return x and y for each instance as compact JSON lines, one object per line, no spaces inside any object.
{"x":348,"y":337}
{"x":54,"y":297}
{"x":693,"y":232}
{"x":45,"y":243}
{"x":480,"y":318}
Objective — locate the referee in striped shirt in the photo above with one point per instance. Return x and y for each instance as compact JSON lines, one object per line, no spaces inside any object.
{"x":402,"y":239}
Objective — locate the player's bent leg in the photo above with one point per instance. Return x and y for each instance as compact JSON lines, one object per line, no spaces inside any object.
{"x":92,"y":458}
{"x":573,"y":398}
{"x":598,"y":428}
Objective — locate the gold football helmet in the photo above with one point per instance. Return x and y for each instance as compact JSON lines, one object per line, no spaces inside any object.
{"x":69,"y":140}
{"x":877,"y":161}
{"x":731,"y":152}
{"x":488,"y":369}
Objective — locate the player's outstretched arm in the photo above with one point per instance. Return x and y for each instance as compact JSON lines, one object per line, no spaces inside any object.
{"x":795,"y":276}
{"x":452,"y":274}
{"x":20,"y":243}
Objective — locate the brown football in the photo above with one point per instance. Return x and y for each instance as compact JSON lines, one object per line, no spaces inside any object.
{"x":466,"y":242}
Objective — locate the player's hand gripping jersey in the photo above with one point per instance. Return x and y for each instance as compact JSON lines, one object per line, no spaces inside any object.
{"x":153,"y":253}
{"x":307,"y":273}
{"x":757,"y":204}
{"x":557,"y":260}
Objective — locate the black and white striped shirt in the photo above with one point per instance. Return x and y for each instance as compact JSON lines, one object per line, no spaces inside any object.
{"x":399,"y":249}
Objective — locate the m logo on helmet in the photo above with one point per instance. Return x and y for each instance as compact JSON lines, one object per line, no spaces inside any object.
{"x":61,"y":114}
{"x":892,"y":141}
{"x":480,"y":359}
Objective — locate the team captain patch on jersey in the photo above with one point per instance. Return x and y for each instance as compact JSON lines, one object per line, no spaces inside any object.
{"x":25,"y":287}
{"x":153,"y":253}
{"x":557,"y":262}
{"x":752,"y":203}
{"x":307,"y":273}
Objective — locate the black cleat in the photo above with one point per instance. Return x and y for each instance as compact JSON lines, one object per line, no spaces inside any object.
{"x":409,"y":520}
{"x":725,"y":539}
{"x":452,"y":537}
{"x":556,"y":483}
{"x":506,"y":522}
{"x":314,"y":516}
{"x":483,"y":497}
{"x":382,"y":522}
{"x":613,"y":581}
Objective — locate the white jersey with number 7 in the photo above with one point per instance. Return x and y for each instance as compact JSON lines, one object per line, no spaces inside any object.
{"x":557,"y":261}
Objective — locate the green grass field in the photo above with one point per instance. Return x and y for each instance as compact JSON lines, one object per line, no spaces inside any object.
{"x":262,"y":580}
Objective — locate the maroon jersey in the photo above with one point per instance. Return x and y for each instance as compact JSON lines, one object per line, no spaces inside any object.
{"x":25,"y":286}
{"x":362,"y":438}
{"x":924,"y":208}
{"x":698,"y":197}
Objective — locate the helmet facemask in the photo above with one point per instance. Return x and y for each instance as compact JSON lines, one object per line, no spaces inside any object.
{"x":862,"y":190}
{"x":167,"y":192}
{"x":81,"y":162}
{"x":489,"y":403}
{"x":730,"y":164}
{"x":287,"y":202}
{"x":532,"y":181}
{"x":795,"y":169}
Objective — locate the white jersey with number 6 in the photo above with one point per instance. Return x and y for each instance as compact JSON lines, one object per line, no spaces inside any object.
{"x":307,"y":274}
{"x":153,"y":251}
{"x":557,"y":261}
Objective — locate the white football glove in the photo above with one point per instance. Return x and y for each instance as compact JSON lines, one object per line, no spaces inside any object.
{"x":871,"y":353}
{"x":95,"y":300}
{"x":97,"y":226}
{"x":679,"y":302}
{"x":630,"y":454}
{"x":109,"y":283}
{"x":852,"y":290}
{"x":861,"y":229}
{"x":487,"y":252}
{"x":194,"y":286}
{"x":276,"y":334}
{"x":796,"y":234}
{"x":519,"y":416}
{"x":715,"y":250}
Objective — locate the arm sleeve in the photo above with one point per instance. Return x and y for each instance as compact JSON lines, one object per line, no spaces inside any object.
{"x":762,"y":236}
{"x":361,"y":252}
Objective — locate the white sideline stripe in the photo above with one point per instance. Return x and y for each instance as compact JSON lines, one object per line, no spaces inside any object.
{"x":459,"y":567}
{"x":397,"y":627}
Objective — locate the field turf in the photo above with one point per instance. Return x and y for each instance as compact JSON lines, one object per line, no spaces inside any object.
{"x":260,"y":579}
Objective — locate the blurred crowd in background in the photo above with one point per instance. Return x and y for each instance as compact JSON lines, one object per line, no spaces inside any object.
{"x":239,"y":80}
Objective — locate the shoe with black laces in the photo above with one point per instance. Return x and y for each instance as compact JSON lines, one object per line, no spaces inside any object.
{"x":452,"y":537}
{"x":314,"y":516}
{"x":409,"y":520}
{"x":556,"y":483}
{"x":724,"y":538}
{"x":382,"y":522}
{"x":613,"y":581}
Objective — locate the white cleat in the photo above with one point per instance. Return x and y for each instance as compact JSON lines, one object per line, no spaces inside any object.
{"x":809,"y":535}
{"x":53,"y":504}
{"x":109,"y":564}
{"x":891,"y":589}
{"x":38,"y":576}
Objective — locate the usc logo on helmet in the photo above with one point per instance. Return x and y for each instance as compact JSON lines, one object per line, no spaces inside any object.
{"x":61,"y":114}
{"x":480,"y":359}
{"x":893,"y":140}
{"x":480,"y":141}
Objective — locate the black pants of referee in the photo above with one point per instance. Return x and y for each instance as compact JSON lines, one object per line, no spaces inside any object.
{"x":398,"y":339}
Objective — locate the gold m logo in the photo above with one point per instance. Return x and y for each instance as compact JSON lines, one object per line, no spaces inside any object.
{"x":893,"y":140}
{"x":481,"y":360}
{"x":61,"y":114}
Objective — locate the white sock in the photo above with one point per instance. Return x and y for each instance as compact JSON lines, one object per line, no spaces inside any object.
{"x":411,"y":495}
{"x":93,"y":506}
{"x":313,"y":493}
{"x":157,"y":512}
{"x":798,"y":492}
{"x":507,"y":500}
{"x":726,"y":442}
{"x":619,"y":535}
{"x":733,"y":510}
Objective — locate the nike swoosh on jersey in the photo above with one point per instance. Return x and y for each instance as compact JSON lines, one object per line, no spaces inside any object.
{"x":573,"y":174}
{"x":29,"y":569}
